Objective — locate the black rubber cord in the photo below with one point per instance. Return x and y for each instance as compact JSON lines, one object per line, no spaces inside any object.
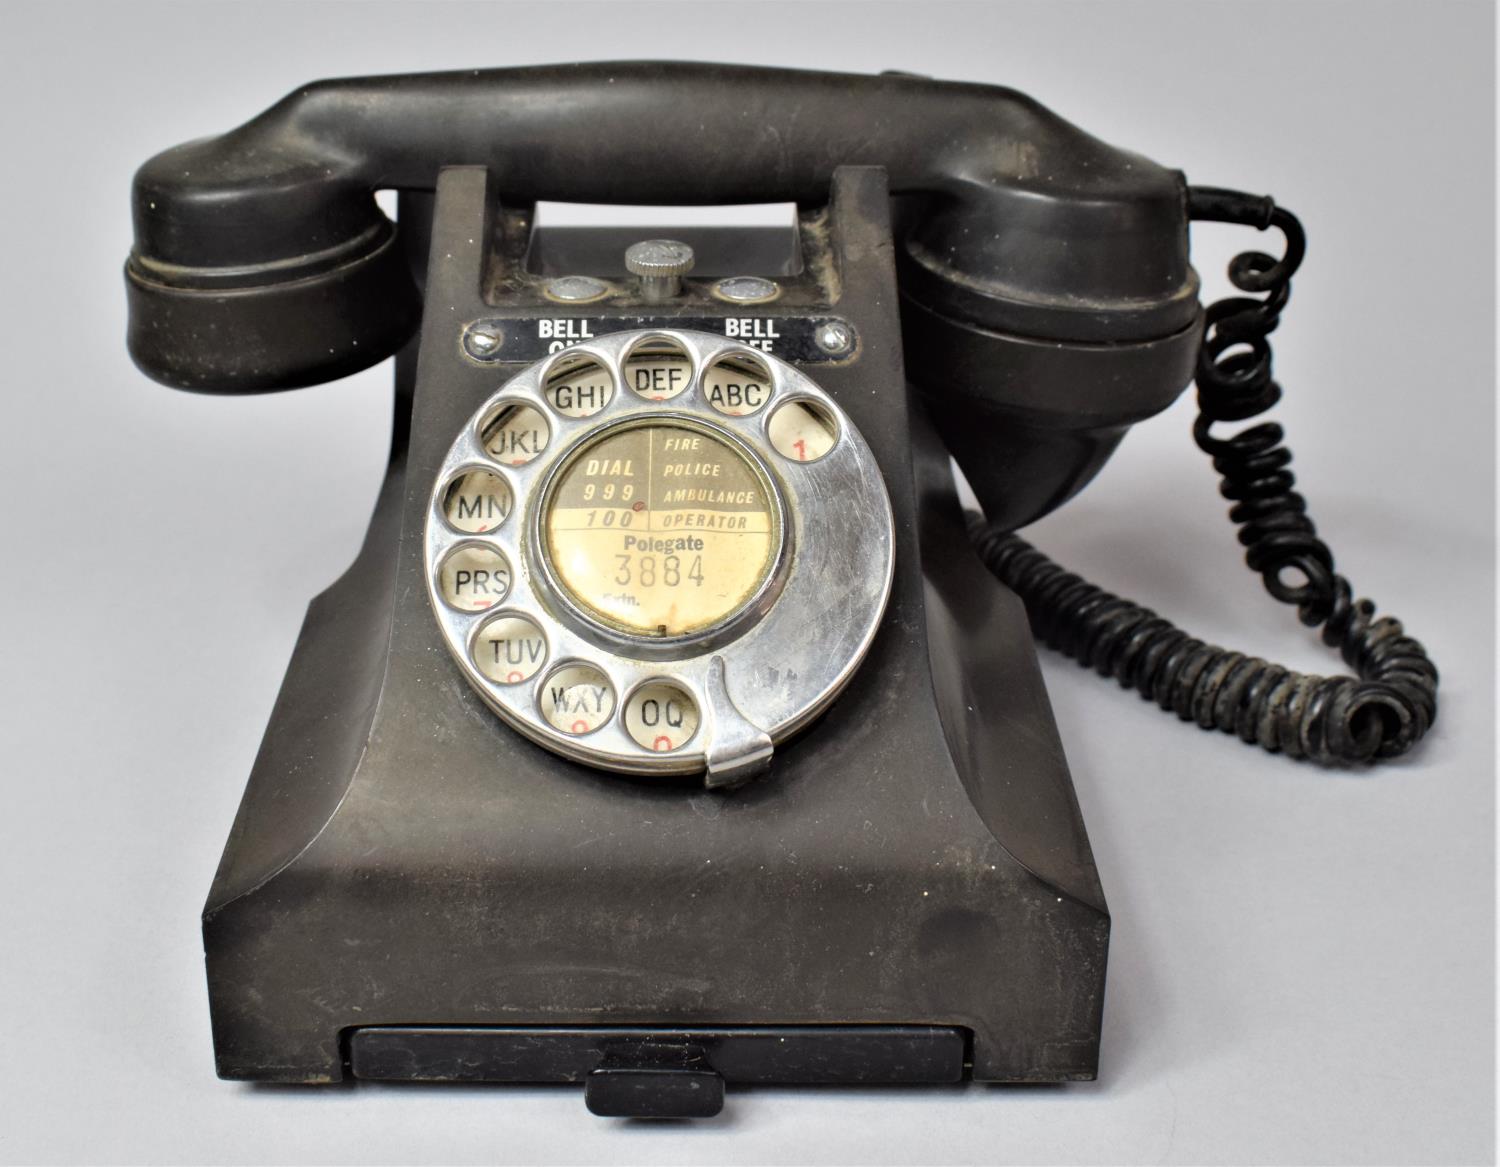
{"x":1391,"y":704}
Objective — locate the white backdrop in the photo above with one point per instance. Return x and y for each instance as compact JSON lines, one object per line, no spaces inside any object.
{"x":1302,"y":963}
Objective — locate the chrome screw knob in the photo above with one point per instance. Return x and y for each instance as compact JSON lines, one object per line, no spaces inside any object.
{"x":660,"y":264}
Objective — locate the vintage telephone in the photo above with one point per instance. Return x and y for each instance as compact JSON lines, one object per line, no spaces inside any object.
{"x":668,"y":729}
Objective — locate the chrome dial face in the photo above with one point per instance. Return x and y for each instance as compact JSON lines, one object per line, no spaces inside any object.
{"x":661,"y":552}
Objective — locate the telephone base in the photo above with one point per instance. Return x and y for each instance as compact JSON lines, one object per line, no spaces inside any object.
{"x":413,"y":890}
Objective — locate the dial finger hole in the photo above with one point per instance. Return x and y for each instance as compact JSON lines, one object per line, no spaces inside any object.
{"x":515,"y":435}
{"x":509,"y":650}
{"x":577,"y":699}
{"x":658,"y":369}
{"x":802,"y":431}
{"x":578,"y":386}
{"x":476,"y":501}
{"x":737,"y":386}
{"x":661,"y":717}
{"x":473,"y":578}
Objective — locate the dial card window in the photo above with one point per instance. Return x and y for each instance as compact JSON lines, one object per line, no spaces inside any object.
{"x":660,"y":530}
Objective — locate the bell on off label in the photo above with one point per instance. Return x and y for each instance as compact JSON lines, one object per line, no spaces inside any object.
{"x":564,"y":329}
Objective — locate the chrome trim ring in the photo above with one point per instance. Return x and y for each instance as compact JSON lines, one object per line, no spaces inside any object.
{"x":758,"y":675}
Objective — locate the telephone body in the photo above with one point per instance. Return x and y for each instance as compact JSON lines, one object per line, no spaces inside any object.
{"x":667,"y":729}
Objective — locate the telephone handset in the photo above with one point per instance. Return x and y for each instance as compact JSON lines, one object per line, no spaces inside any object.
{"x":678,"y":512}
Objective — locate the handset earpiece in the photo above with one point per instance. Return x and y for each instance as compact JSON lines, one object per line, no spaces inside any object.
{"x":246,"y":277}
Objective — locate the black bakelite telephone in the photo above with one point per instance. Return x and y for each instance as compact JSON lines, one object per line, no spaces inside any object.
{"x":667,"y":729}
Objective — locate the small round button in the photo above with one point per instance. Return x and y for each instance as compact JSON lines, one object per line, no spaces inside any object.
{"x":747,"y":290}
{"x":509,"y":650}
{"x":661,"y":716}
{"x":576,"y":289}
{"x":474,"y":578}
{"x":577,"y":699}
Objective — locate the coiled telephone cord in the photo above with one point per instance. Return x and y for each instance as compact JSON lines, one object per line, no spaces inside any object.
{"x":1381,"y":713}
